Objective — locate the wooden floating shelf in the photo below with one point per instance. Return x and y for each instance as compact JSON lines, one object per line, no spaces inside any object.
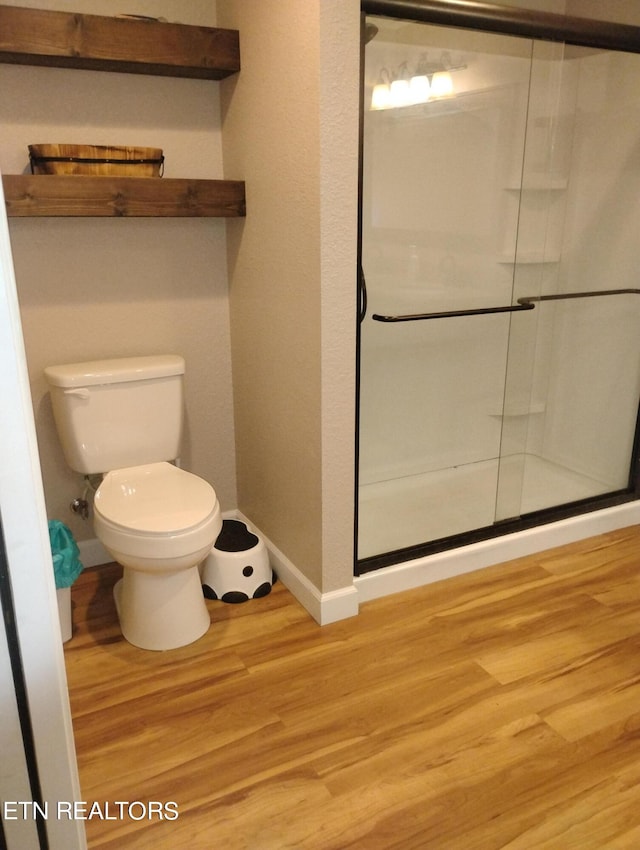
{"x":95,"y":42}
{"x":75,"y":195}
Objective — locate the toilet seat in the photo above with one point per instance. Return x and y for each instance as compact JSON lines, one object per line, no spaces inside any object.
{"x":157,"y":514}
{"x":154,"y":500}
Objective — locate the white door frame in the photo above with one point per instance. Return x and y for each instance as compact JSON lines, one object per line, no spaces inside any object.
{"x":28,"y":554}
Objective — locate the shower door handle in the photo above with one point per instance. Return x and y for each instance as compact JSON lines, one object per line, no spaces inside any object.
{"x":362,"y":291}
{"x":523,"y":304}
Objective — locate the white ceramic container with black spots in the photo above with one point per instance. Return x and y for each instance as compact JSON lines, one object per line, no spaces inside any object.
{"x":237,"y":569}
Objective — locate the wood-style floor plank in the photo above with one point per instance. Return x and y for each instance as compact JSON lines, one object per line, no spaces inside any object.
{"x":499,"y":709}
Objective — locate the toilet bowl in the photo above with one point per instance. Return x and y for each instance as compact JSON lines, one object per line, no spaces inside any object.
{"x":159,"y":522}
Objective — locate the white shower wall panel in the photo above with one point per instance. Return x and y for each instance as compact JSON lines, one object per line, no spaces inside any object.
{"x":589,"y":424}
{"x":601,"y":242}
{"x":595,"y":363}
{"x":430,"y":392}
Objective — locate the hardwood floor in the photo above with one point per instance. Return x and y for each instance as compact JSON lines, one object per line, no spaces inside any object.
{"x":499,"y":709}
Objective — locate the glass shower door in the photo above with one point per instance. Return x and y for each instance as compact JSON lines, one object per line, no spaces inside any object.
{"x":434,"y":219}
{"x":573,"y":377}
{"x":491,"y":386}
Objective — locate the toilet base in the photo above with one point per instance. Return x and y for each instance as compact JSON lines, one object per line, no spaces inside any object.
{"x":160,"y":611}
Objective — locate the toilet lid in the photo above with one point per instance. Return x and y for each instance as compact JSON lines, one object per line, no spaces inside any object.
{"x":157,"y":498}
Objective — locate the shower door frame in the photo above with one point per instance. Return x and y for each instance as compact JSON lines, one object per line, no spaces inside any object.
{"x":542,"y":26}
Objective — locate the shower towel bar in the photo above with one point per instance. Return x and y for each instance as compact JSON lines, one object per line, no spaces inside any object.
{"x":562,"y":296}
{"x":527,"y":303}
{"x":449,"y":314}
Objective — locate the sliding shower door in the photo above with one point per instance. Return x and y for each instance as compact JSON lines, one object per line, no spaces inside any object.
{"x":499,"y":358}
{"x":573,"y":370}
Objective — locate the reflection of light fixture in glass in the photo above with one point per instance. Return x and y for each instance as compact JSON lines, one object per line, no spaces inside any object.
{"x":441,"y":84}
{"x":419,"y":88}
{"x":419,"y":83}
{"x":381,"y":95}
{"x":400,"y":91}
{"x":401,"y":88}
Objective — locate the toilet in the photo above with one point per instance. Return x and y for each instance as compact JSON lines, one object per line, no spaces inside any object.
{"x":122,"y":418}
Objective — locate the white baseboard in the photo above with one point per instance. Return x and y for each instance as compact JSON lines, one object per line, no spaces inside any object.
{"x":343,"y":603}
{"x":325,"y":608}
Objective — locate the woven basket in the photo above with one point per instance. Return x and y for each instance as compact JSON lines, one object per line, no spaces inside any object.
{"x":96,"y":160}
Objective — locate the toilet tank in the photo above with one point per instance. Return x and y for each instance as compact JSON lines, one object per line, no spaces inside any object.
{"x":112,"y":414}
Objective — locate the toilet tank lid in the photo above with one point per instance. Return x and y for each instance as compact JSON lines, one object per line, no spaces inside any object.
{"x":119,"y":370}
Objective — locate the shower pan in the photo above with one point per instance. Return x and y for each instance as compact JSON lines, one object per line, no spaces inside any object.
{"x":499,"y":350}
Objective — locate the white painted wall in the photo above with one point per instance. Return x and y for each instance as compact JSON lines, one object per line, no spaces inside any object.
{"x":290,"y":128}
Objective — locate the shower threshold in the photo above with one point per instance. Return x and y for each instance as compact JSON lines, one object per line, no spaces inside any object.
{"x":413,"y":510}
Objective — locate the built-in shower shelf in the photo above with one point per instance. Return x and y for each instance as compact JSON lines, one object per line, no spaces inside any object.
{"x":538,"y":183}
{"x":520,"y":410}
{"x":529,"y":258}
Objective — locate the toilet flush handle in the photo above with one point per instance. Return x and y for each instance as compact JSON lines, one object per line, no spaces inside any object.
{"x":80,"y":392}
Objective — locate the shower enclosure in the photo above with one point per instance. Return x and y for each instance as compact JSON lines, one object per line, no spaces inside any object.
{"x":500,"y":255}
